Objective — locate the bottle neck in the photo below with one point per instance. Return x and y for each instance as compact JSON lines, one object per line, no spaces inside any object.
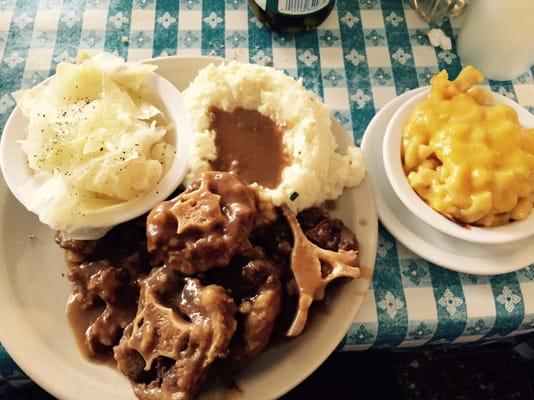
{"x":291,"y":16}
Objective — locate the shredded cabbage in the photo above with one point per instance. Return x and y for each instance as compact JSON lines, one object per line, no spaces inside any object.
{"x":93,"y":141}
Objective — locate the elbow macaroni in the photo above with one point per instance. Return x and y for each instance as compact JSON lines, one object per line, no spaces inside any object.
{"x":468,"y":159}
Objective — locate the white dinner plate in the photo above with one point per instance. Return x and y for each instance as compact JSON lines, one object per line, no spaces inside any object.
{"x":421,"y":238}
{"x":34,"y":292}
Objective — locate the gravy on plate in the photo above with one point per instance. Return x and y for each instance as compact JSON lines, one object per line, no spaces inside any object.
{"x":249,"y":144}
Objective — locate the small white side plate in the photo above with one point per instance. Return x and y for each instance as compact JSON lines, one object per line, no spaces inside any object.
{"x":421,"y":238}
{"x":161,"y":93}
{"x":391,"y":146}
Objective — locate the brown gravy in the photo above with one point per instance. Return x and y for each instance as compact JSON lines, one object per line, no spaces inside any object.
{"x":249,"y":145}
{"x":330,"y":204}
{"x":80,"y":319}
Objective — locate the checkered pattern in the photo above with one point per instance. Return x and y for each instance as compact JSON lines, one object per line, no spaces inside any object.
{"x":363,"y":55}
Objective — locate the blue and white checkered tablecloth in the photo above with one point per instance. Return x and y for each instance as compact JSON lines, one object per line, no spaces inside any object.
{"x":363,"y":55}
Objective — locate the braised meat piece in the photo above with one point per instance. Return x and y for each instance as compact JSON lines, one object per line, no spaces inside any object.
{"x":254,"y":284}
{"x":84,"y":248}
{"x":313,"y":267}
{"x":259,"y":311}
{"x":205,"y":226}
{"x":118,"y":244}
{"x":104,"y":276}
{"x":103,"y":288}
{"x":181,"y":327}
{"x":325,"y":231}
{"x":317,"y":224}
{"x":276,"y":240}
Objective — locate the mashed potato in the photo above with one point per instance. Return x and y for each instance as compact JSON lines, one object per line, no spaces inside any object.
{"x":316,"y":171}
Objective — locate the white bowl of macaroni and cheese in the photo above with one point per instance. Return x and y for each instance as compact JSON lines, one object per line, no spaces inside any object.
{"x":462,"y":159}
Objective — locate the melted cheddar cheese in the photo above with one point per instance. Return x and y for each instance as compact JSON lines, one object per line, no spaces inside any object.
{"x":469,"y":159}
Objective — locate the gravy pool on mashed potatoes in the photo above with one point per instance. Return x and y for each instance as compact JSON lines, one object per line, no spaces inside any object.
{"x":303,"y":166}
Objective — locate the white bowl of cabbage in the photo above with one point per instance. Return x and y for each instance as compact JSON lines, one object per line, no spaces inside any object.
{"x":97,"y":144}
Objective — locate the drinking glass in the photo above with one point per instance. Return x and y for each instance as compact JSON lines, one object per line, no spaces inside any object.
{"x":435,"y":11}
{"x":497,"y":37}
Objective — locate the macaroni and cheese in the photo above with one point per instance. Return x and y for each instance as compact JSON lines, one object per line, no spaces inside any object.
{"x":469,"y":159}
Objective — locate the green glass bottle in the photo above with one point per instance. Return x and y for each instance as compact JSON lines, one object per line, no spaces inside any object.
{"x":291,"y":16}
